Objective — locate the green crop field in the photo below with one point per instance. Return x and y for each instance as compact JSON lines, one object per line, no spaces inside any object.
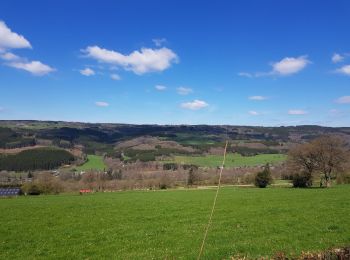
{"x":232,"y":160}
{"x":248,"y":222}
{"x":94,"y":162}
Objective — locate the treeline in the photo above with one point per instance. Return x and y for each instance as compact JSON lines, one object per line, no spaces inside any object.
{"x":35,"y":159}
{"x":10,"y":139}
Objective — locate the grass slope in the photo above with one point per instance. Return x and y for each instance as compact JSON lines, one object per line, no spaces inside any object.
{"x":94,"y":162}
{"x":232,"y":160}
{"x":170,"y":224}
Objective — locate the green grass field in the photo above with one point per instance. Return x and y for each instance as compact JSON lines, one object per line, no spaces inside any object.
{"x":94,"y":162}
{"x":232,"y":160}
{"x":170,"y":224}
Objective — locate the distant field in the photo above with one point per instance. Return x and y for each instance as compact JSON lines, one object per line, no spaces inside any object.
{"x":170,"y":224}
{"x":232,"y":160}
{"x":94,"y":162}
{"x":193,"y":139}
{"x":17,"y":150}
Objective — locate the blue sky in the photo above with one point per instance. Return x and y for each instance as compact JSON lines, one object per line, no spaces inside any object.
{"x":245,"y":62}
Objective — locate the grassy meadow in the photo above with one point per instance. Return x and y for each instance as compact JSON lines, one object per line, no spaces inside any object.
{"x":170,"y":224}
{"x":94,"y":162}
{"x":232,"y":160}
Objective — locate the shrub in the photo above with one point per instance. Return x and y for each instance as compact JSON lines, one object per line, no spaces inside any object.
{"x":302,"y":180}
{"x":343,"y":178}
{"x":170,"y":166}
{"x":164,"y":182}
{"x":30,"y":189}
{"x":45,"y":183}
{"x":190,"y":166}
{"x":263,"y":178}
{"x":48,"y":184}
{"x":193,"y":177}
{"x":248,"y":178}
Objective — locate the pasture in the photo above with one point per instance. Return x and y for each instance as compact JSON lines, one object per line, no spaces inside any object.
{"x":94,"y":162}
{"x":232,"y":160}
{"x":170,"y":224}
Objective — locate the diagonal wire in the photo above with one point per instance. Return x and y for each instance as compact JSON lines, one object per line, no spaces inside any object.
{"x":214,"y":204}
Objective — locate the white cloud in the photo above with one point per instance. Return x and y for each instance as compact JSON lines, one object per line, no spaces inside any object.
{"x":284,"y":67}
{"x":289,"y":65}
{"x":343,"y":100}
{"x":9,"y":56}
{"x":245,"y":74}
{"x":195,"y":104}
{"x":297,"y":112}
{"x":101,"y":104}
{"x":258,"y":98}
{"x":11,"y":40}
{"x":115,"y":77}
{"x":140,"y":62}
{"x":87,"y":72}
{"x":344,"y":70}
{"x":160,"y":87}
{"x":184,"y":91}
{"x":254,"y":113}
{"x":337,"y":58}
{"x":159,"y":42}
{"x":35,"y":67}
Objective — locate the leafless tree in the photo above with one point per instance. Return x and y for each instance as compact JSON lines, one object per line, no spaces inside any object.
{"x":331,"y":157}
{"x":326,"y":155}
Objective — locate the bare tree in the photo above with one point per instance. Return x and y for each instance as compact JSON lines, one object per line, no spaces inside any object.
{"x":331,"y":157}
{"x":302,"y":164}
{"x":326,"y":155}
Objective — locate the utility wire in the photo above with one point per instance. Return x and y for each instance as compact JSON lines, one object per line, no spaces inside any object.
{"x":214,"y":204}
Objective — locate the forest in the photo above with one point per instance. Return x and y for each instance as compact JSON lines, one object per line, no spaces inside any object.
{"x":35,"y":159}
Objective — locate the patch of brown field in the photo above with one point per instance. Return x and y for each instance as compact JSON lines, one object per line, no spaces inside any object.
{"x":216,"y":151}
{"x":17,"y":150}
{"x":76,"y":151}
{"x":253,"y":145}
{"x":150,"y":143}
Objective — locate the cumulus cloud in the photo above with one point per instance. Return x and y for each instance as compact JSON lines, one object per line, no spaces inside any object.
{"x":343,"y":100}
{"x":286,"y":66}
{"x":159,"y":41}
{"x":87,"y":72}
{"x":34,"y":67}
{"x":257,"y":98}
{"x":184,"y":91}
{"x":195,"y":104}
{"x":115,"y":76}
{"x":290,"y":65}
{"x":11,"y":40}
{"x":297,"y":112}
{"x":160,"y":87}
{"x":344,"y":70}
{"x":337,"y":58}
{"x":144,"y":61}
{"x":253,"y":113}
{"x":101,"y":104}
